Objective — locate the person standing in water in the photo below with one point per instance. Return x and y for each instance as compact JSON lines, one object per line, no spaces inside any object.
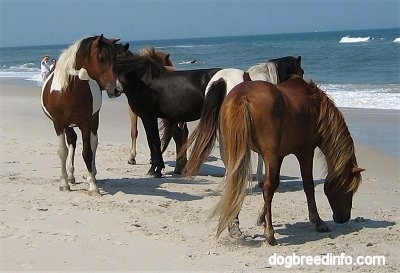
{"x":53,"y":64}
{"x":44,"y":67}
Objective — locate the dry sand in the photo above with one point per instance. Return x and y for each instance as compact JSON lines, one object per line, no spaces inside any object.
{"x":146,"y":224}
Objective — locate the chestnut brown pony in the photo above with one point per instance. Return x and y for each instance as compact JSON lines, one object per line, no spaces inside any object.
{"x":71,"y":97}
{"x":292,"y":117}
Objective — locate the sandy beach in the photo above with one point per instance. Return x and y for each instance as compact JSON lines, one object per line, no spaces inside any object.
{"x":147,"y":224}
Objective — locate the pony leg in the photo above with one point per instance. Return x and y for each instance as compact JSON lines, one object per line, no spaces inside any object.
{"x":306,"y":165}
{"x":94,"y":141}
{"x":62,"y":153}
{"x":260,"y":176}
{"x":153,"y":139}
{"x":180,"y":136}
{"x":88,"y":156}
{"x":234,"y":228}
{"x":134,"y":135}
{"x":71,"y":139}
{"x":271,"y":183}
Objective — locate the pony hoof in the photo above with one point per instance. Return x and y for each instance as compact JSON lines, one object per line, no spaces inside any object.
{"x":234,"y":230}
{"x":271,"y":242}
{"x":235,"y":234}
{"x":64,"y":188}
{"x":156,"y":173}
{"x":132,"y":161}
{"x":323,"y":228}
{"x":95,"y":193}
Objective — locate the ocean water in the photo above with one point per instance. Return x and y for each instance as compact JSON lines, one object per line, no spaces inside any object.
{"x":357,"y":69}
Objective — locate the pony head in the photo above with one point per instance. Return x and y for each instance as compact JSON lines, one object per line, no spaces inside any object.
{"x":98,"y":57}
{"x":122,"y":50}
{"x":298,"y":69}
{"x":340,"y":195}
{"x":288,"y":66}
{"x":157,"y":56}
{"x":147,"y":62}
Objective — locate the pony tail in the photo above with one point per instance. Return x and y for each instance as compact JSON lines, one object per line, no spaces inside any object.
{"x":205,"y":134}
{"x":235,"y":127}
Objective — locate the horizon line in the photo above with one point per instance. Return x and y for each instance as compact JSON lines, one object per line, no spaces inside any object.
{"x":215,"y":36}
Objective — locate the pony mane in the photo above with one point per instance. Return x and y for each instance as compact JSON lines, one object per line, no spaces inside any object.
{"x":65,"y":64}
{"x":157,"y":56}
{"x":148,"y":51}
{"x":336,"y":142}
{"x":134,"y":62}
{"x":269,"y":69}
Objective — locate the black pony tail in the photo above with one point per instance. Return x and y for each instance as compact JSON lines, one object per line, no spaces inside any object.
{"x":205,"y":134}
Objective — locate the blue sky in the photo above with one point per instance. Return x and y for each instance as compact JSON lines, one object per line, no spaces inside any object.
{"x":44,"y":22}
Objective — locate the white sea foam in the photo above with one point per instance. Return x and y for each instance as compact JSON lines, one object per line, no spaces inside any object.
{"x":386,"y":96}
{"x":348,"y":39}
{"x":397,"y":40}
{"x":26,"y":71}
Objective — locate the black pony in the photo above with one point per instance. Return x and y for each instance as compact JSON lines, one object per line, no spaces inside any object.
{"x":156,"y":92}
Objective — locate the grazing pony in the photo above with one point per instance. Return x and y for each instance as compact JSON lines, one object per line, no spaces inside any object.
{"x":71,"y":97}
{"x":205,"y":134}
{"x":293,"y":117}
{"x":153,"y":91}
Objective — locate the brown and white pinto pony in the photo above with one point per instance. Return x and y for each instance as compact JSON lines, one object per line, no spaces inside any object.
{"x":292,"y":117}
{"x":71,"y":97}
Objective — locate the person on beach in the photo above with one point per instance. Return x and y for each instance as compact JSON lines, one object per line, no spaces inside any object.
{"x":44,"y":67}
{"x":53,"y":64}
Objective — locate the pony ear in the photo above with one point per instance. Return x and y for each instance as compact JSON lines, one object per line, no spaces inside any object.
{"x":167,"y":56}
{"x":113,"y":40}
{"x":98,"y":41}
{"x":298,"y":60}
{"x":126,"y":46}
{"x":357,"y":170}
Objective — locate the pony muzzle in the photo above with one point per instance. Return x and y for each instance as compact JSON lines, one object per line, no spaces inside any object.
{"x":115,"y":90}
{"x":119,"y":87}
{"x":341,"y":218}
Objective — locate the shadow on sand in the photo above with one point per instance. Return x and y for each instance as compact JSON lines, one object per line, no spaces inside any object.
{"x":153,"y":187}
{"x":303,"y":232}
